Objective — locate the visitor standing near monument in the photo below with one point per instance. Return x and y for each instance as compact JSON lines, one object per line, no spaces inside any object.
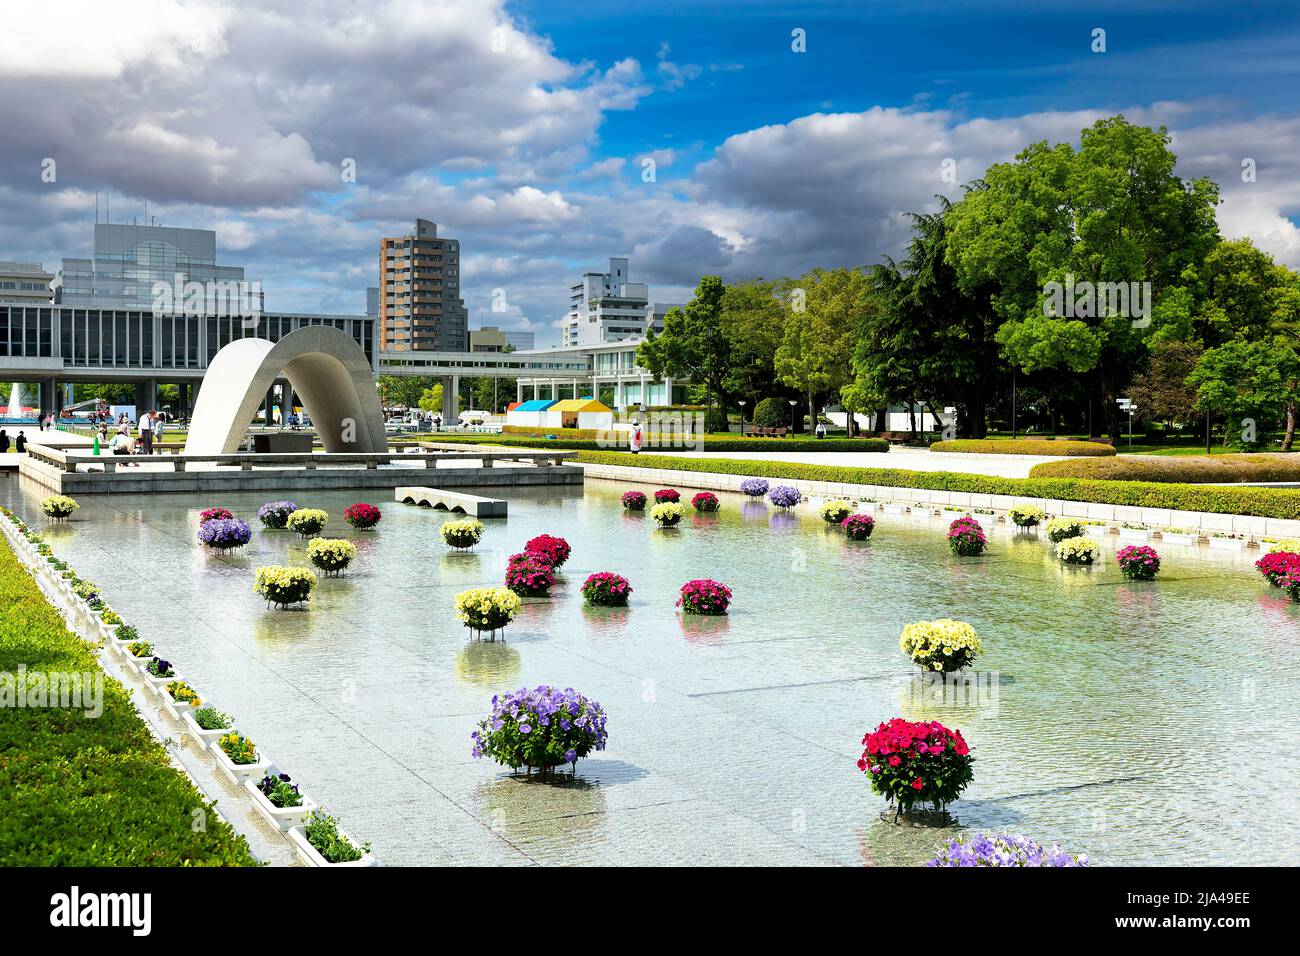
{"x":635,"y":440}
{"x":4,"y":441}
{"x":20,"y":443}
{"x":146,"y":433}
{"x":159,"y":426}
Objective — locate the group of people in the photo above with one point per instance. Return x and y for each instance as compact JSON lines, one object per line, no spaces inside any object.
{"x":152,"y":425}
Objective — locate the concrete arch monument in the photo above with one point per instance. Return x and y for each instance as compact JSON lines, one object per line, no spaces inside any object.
{"x":327,"y":369}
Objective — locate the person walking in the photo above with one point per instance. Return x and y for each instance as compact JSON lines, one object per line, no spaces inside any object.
{"x":636,"y":439}
{"x":159,"y":426}
{"x":4,"y":442}
{"x":20,"y":444}
{"x":146,"y":433}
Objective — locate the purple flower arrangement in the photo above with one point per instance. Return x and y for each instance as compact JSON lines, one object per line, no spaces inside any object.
{"x":1138,"y":562}
{"x":784,"y":496}
{"x":606,"y":589}
{"x":543,"y":728}
{"x":858,"y":527}
{"x":275,"y":514}
{"x":530,"y":574}
{"x":634,"y":500}
{"x":225,"y":534}
{"x":754,"y":487}
{"x":966,"y":537}
{"x":704,"y":596}
{"x":1003,"y":849}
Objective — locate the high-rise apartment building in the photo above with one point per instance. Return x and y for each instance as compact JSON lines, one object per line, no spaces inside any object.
{"x":521,"y":341}
{"x":24,"y":282}
{"x":606,"y":307}
{"x":420,"y":308}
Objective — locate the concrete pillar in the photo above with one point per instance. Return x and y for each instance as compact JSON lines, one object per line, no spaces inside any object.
{"x":450,"y":394}
{"x":519,"y":390}
{"x":575,"y":388}
{"x":146,"y":396}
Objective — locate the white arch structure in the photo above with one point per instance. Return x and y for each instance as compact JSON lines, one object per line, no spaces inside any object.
{"x":327,"y":369}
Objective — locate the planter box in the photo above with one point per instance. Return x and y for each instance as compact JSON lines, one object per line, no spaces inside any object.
{"x":173,"y":707}
{"x":237,"y":773}
{"x":203,"y":739}
{"x":108,"y":631}
{"x":892,"y":509}
{"x":1096,"y":530}
{"x":1173,"y":537}
{"x":307,"y":853}
{"x":1228,"y":544}
{"x":133,"y":663}
{"x":158,"y":684}
{"x":1135,"y":534}
{"x":950,"y":516}
{"x":282,"y":818}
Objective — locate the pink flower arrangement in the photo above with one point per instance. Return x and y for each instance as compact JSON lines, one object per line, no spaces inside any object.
{"x":858,"y":527}
{"x":362,"y":516}
{"x":966,"y":537}
{"x":667,"y":494}
{"x":1138,"y":562}
{"x":704,"y":596}
{"x":553,"y":549}
{"x":208,"y":514}
{"x":705,"y":501}
{"x":606,"y":589}
{"x":634,"y":500}
{"x":907,"y":762}
{"x":529,"y":574}
{"x":1277,"y":564}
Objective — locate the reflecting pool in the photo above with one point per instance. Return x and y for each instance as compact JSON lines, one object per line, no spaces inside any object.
{"x":1141,"y":723}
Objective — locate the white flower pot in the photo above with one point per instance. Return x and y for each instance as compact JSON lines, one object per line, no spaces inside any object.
{"x":158,"y":684}
{"x":1228,"y":544}
{"x":951,"y":516}
{"x":133,"y":663}
{"x":282,"y":818}
{"x":307,"y":853}
{"x":237,"y":773}
{"x":1096,"y":530}
{"x":108,"y":631}
{"x":1172,"y":537}
{"x":1135,"y":534}
{"x":175,"y":708}
{"x":203,"y":739}
{"x":895,"y":509}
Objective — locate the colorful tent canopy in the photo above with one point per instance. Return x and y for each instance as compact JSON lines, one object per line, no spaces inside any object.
{"x":536,"y":405}
{"x":579,"y":405}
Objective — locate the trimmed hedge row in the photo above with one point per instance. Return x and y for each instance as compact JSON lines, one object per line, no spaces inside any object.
{"x":1025,"y":446}
{"x":81,"y":791}
{"x":1258,"y":502}
{"x":721,"y":443}
{"x":1190,"y":470}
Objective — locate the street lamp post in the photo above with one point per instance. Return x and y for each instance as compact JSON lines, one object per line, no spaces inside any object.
{"x":1126,"y":404}
{"x":793,"y":403}
{"x":742,"y":402}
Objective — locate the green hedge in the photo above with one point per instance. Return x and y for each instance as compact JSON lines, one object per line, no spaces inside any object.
{"x":1190,"y":470}
{"x":1260,"y":502}
{"x":78,"y":791}
{"x":1024,"y":446}
{"x":711,"y":443}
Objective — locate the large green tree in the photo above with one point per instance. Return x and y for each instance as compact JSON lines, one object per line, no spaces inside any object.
{"x":693,"y":344}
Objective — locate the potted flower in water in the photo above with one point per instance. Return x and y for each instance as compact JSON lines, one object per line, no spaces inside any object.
{"x":540,"y":728}
{"x":238,"y":759}
{"x":307,"y":522}
{"x":705,"y":501}
{"x":331,"y":555}
{"x":487,"y":609}
{"x":858,"y":527}
{"x":1003,"y":849}
{"x":834,"y":512}
{"x":667,"y":514}
{"x":58,"y":507}
{"x":212,"y":514}
{"x":463,"y":534}
{"x":1138,"y":562}
{"x":362,"y":516}
{"x":1290,"y":583}
{"x":966,"y":537}
{"x":320,"y":842}
{"x":1078,"y":550}
{"x":529,"y":574}
{"x":754,"y":487}
{"x":667,"y":494}
{"x":704,"y":596}
{"x":910,"y":763}
{"x":275,"y":514}
{"x":1276,"y":565}
{"x":224,"y":535}
{"x":606,"y":589}
{"x":784,"y":496}
{"x":1026,"y":516}
{"x":634,"y":500}
{"x":556,"y":550}
{"x":278,"y":799}
{"x":943,"y":645}
{"x":179,"y":698}
{"x":1058,"y":529}
{"x":283,"y":586}
{"x":206,"y":725}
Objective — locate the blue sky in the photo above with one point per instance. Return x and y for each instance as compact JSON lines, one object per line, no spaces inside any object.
{"x":236,"y":114}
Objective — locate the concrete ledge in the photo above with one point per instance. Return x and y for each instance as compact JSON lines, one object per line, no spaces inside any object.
{"x":452,"y":501}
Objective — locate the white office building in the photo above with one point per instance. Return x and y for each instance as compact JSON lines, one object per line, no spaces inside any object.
{"x":606,"y":307}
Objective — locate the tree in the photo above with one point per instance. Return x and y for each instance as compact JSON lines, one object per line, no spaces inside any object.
{"x":1246,"y":381}
{"x":1161,"y":391}
{"x":752,"y":322}
{"x":403,"y":390}
{"x":692,"y":343}
{"x":430,"y":399}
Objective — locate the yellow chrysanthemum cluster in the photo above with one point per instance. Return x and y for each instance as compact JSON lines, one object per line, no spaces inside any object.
{"x":942,"y":645}
{"x":667,"y":513}
{"x":1061,"y":529}
{"x":1025,"y":516}
{"x":486,"y":609}
{"x":834,"y":512}
{"x":462,"y":534}
{"x":1078,"y":550}
{"x":1291,"y":545}
{"x":331,"y":554}
{"x":281,"y":585}
{"x":59,"y":506}
{"x":307,"y":521}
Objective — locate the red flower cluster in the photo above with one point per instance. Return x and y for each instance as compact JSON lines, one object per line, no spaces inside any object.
{"x":704,"y":596}
{"x":634,"y":500}
{"x":553,"y":549}
{"x":908,"y":761}
{"x":1277,"y":565}
{"x":529,"y":574}
{"x":705,"y":501}
{"x":362,"y":515}
{"x":211,"y":514}
{"x":667,"y":494}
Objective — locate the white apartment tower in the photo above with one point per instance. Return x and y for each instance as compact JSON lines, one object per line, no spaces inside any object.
{"x":606,"y":307}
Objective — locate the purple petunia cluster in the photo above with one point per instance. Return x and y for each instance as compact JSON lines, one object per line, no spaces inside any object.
{"x":784,"y":496}
{"x":225,"y":534}
{"x":1003,"y":849}
{"x":754,"y":487}
{"x":542,"y":727}
{"x":275,"y":514}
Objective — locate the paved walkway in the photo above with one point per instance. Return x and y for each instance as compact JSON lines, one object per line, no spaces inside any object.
{"x":913,"y":459}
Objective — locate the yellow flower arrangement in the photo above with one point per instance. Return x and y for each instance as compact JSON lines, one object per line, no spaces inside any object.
{"x":1060,"y":529}
{"x":833,"y":512}
{"x":281,"y":585}
{"x":943,"y":645}
{"x":183,"y":693}
{"x":487,"y":609}
{"x":462,"y":534}
{"x":238,"y":748}
{"x":667,"y":514}
{"x":331,"y":555}
{"x":1291,"y":545}
{"x":307,"y":522}
{"x":1078,"y":550}
{"x":59,"y":507}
